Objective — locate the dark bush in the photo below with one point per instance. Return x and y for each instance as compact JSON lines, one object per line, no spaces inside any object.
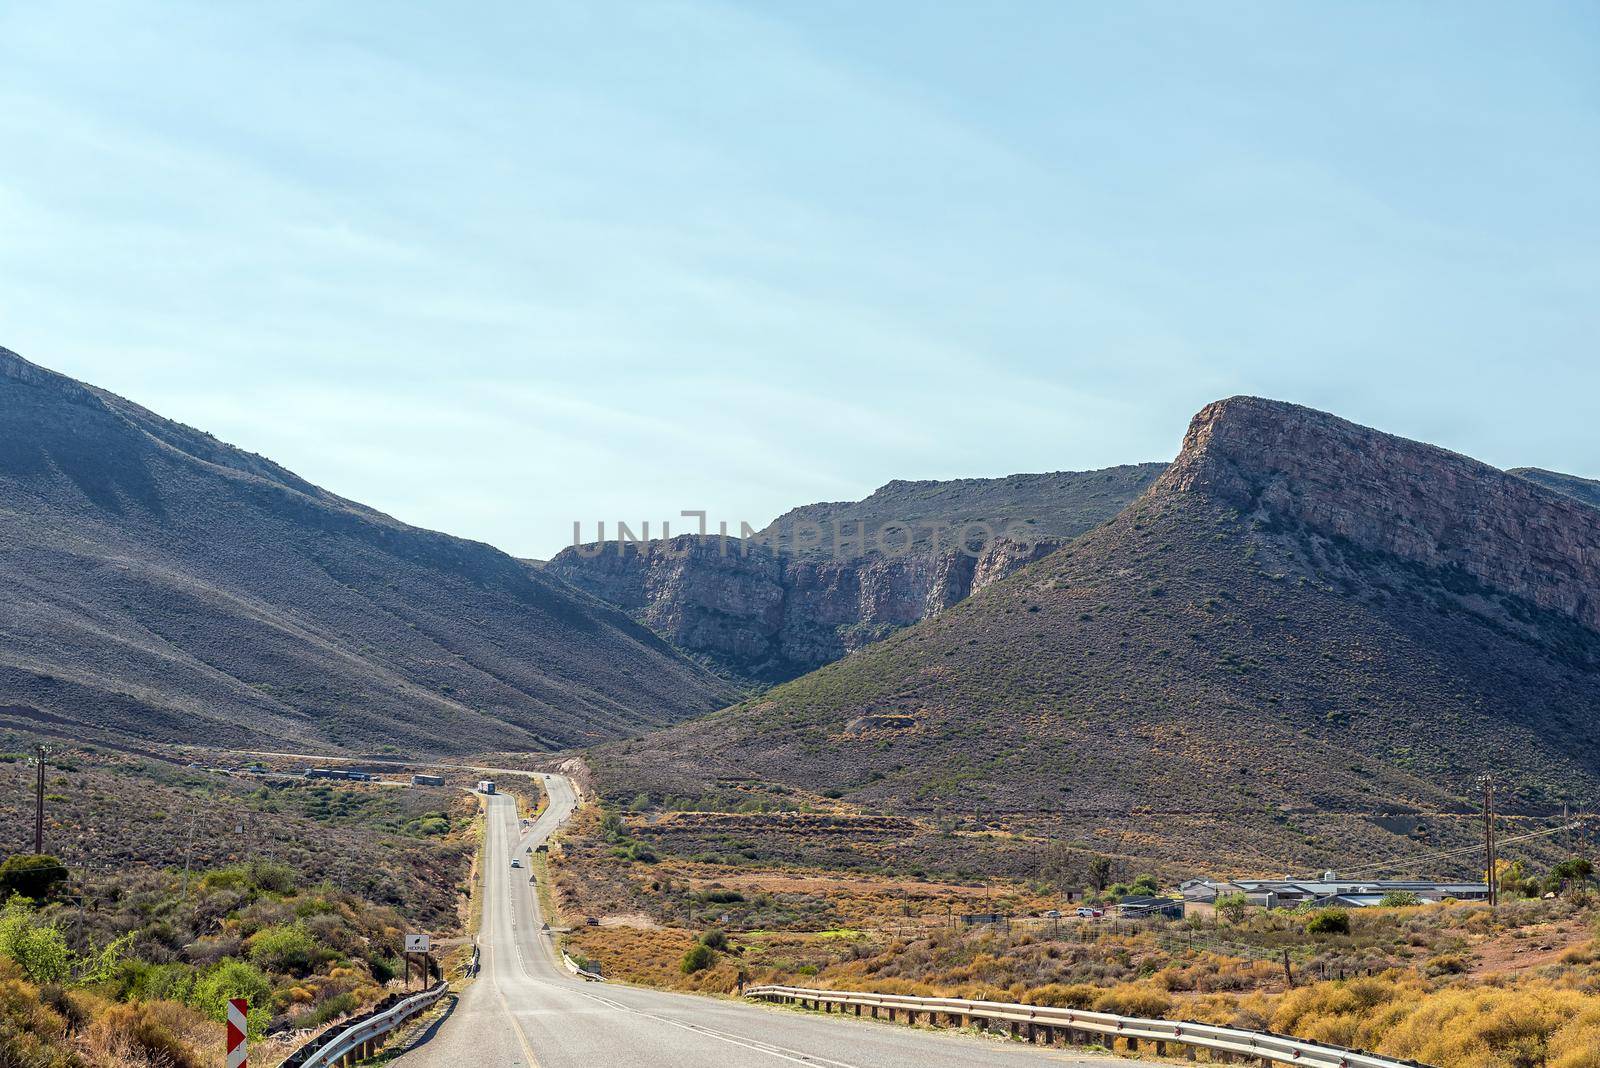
{"x":32,"y":875}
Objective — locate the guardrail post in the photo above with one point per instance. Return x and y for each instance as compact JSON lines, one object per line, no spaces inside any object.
{"x":1133,"y":1044}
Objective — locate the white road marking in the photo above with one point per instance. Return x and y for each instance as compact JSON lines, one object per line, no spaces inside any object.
{"x":780,"y":1052}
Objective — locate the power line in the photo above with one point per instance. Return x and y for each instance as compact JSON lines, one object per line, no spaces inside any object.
{"x":1402,"y":862}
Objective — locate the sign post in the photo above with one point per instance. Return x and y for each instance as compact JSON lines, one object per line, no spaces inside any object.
{"x":238,"y":1030}
{"x":419,"y":944}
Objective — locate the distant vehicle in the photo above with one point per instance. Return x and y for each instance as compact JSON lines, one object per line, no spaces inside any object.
{"x":591,"y":921}
{"x":486,"y":786}
{"x":1053,"y":914}
{"x":516,"y":863}
{"x":1090,"y":913}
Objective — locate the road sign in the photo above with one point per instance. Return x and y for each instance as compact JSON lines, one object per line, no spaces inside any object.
{"x":418,"y":943}
{"x":238,"y":1026}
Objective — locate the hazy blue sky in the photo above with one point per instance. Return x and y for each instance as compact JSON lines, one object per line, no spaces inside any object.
{"x":493,"y":267}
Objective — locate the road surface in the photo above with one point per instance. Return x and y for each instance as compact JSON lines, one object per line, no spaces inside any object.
{"x":526,"y":1010}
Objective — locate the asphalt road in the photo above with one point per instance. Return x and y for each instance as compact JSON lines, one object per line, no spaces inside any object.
{"x":526,"y":1009}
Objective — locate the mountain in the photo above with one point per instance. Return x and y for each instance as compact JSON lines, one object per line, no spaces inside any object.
{"x":1299,"y":647}
{"x":824,"y":580}
{"x":160,"y":583}
{"x":1582,"y":489}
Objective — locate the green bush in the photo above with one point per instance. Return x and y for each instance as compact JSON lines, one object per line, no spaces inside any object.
{"x":286,"y":948}
{"x":32,"y":875}
{"x":234,"y":979}
{"x":699,"y":958}
{"x":715,"y":939}
{"x":1399,"y":899}
{"x":1329,"y":922}
{"x":335,"y":1007}
{"x":272,"y":877}
{"x":35,"y":945}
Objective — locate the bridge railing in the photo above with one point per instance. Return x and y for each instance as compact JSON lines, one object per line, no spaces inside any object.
{"x":1042,"y":1023}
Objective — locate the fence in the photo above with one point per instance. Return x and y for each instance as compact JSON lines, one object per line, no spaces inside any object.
{"x":1052,"y":1026}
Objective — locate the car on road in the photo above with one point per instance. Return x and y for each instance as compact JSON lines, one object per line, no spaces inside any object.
{"x":591,"y":921}
{"x":516,"y":863}
{"x":1089,"y":913}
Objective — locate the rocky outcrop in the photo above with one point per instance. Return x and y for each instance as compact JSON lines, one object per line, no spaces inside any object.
{"x":1383,"y":493}
{"x":827,"y":579}
{"x":767,"y":616}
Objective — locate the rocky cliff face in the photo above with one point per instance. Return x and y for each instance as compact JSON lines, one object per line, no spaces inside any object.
{"x":789,"y":601}
{"x":1386,"y":494}
{"x":766,"y":616}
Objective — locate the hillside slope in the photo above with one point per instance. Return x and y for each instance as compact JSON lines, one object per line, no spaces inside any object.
{"x":824,"y":580}
{"x":158,"y":582}
{"x":1298,"y":648}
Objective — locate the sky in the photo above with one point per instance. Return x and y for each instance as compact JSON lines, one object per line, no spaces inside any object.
{"x":501,"y":267}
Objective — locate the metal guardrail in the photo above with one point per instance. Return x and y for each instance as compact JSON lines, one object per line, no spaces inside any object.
{"x":1041,"y":1023}
{"x":360,"y":1039}
{"x":587,"y":976}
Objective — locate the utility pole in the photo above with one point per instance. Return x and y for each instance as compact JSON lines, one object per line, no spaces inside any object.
{"x":38,"y":812}
{"x":188,"y":849}
{"x":1488,"y":839}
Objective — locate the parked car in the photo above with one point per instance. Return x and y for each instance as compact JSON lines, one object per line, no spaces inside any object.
{"x":1090,"y":913}
{"x":1053,"y":914}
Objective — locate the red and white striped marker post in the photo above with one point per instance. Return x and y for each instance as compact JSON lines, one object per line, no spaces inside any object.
{"x":238,"y":1020}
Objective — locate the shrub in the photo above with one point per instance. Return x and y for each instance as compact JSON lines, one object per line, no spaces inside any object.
{"x":144,"y":1033}
{"x":233,"y":979}
{"x":31,"y":1034}
{"x":715,"y":939}
{"x":1134,"y":999}
{"x":1329,"y":922}
{"x":286,"y":948}
{"x":1063,"y":995}
{"x":38,"y":947}
{"x":335,"y":1007}
{"x":273,"y":877}
{"x":1446,"y":964}
{"x":1231,"y":907}
{"x":32,"y":875}
{"x":1399,"y":899}
{"x":699,"y":958}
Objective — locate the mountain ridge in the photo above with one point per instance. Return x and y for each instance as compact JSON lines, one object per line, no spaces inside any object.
{"x":1234,"y":649}
{"x":163,"y":583}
